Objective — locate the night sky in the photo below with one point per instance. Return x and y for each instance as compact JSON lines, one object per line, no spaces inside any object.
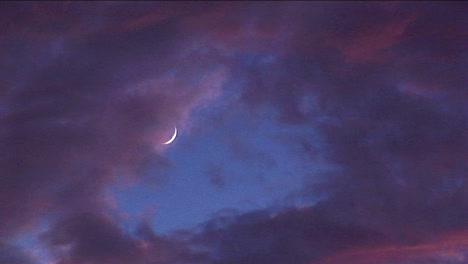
{"x":309,"y":132}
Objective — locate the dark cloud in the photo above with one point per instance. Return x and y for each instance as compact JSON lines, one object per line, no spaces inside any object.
{"x":90,"y":238}
{"x":166,"y":250}
{"x":296,"y":236}
{"x":97,"y":238}
{"x":73,"y":19}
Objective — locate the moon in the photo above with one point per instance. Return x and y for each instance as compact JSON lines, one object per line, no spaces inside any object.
{"x":172,"y":138}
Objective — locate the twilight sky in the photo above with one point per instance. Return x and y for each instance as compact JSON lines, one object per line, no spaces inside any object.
{"x":309,"y":132}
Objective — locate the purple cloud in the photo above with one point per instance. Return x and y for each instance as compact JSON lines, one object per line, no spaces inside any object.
{"x":95,"y":238}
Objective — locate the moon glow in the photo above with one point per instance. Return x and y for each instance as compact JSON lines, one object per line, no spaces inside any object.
{"x":172,"y":138}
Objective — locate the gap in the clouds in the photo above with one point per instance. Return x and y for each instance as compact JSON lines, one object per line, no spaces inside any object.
{"x":258,"y":158}
{"x":231,"y":156}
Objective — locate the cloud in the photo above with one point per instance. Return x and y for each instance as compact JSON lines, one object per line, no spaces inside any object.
{"x":445,"y":249}
{"x":294,"y":236}
{"x":97,"y":238}
{"x":90,"y":238}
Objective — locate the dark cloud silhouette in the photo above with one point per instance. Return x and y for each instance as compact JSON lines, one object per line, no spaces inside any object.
{"x":92,"y":239}
{"x":97,"y":238}
{"x":89,"y":90}
{"x":295,"y":236}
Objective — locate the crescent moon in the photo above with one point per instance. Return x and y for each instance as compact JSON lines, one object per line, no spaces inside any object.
{"x":172,"y":138}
